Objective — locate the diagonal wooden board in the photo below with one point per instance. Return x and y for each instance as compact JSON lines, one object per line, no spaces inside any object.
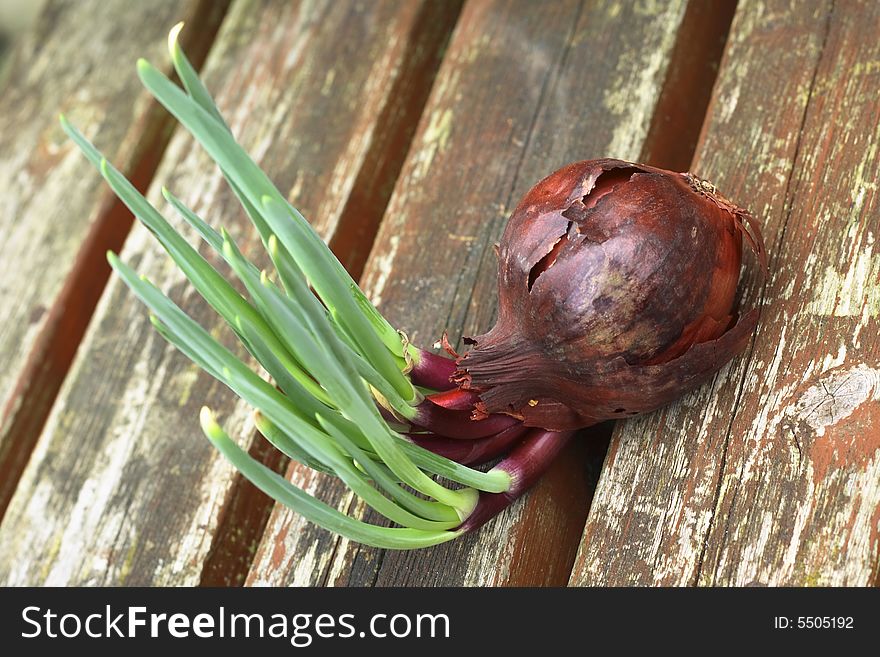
{"x":771,"y":474}
{"x":52,"y":210}
{"x":123,"y":488}
{"x":525,"y":87}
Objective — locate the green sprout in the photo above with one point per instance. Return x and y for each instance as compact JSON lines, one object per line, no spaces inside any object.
{"x":332,"y":358}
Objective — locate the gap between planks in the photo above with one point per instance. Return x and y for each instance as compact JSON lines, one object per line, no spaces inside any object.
{"x":54,"y":349}
{"x":246,"y":509}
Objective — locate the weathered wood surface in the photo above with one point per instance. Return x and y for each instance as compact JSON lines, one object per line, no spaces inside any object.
{"x":57,"y":217}
{"x":771,"y":475}
{"x":502,"y":115}
{"x":122,"y":488}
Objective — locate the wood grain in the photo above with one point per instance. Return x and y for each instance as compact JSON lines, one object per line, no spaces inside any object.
{"x":525,"y":88}
{"x":122,"y":488}
{"x":771,"y":474}
{"x":58,"y":218}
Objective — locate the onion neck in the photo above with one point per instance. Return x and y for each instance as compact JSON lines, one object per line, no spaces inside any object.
{"x":502,"y":364}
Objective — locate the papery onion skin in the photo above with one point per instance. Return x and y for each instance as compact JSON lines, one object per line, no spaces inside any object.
{"x":617,"y":284}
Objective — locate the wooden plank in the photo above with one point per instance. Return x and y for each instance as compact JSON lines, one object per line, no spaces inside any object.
{"x":57,"y":218}
{"x":16,"y":18}
{"x":771,"y":474}
{"x":525,"y":88}
{"x":122,"y":488}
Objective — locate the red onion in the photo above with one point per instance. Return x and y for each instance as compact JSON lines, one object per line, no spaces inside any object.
{"x":617,"y":284}
{"x":616,"y":288}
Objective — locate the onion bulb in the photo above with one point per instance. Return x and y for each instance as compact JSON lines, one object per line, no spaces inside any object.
{"x":616,"y":289}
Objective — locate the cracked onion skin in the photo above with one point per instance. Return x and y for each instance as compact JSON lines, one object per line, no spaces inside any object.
{"x":617,"y":284}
